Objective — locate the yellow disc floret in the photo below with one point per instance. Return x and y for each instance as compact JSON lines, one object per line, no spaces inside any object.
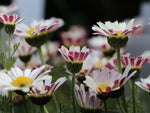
{"x":100,"y":64}
{"x":29,"y":32}
{"x":21,"y":82}
{"x":82,"y":70}
{"x":102,"y":87}
{"x":118,"y":32}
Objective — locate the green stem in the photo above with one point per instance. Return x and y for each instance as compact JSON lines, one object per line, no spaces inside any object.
{"x":41,"y":55}
{"x":25,"y":105}
{"x":2,"y":43}
{"x":43,"y":63}
{"x":45,"y":109}
{"x":133,"y":96}
{"x":73,"y":95}
{"x":9,"y":51}
{"x":55,"y":101}
{"x":124,"y":102}
{"x":120,"y":105}
{"x":119,"y":60}
{"x":41,"y":109}
{"x":105,"y":105}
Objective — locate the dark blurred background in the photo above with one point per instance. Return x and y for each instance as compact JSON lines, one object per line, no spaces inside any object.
{"x":88,"y":12}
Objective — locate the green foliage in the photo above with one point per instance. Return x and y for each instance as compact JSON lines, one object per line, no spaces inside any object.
{"x":5,"y":104}
{"x":4,"y":60}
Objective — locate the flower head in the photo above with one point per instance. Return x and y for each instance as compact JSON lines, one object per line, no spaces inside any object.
{"x":52,"y":24}
{"x":29,"y":31}
{"x":74,"y":57}
{"x":100,"y":43}
{"x":146,"y":54}
{"x":76,"y":36}
{"x":103,"y":82}
{"x":22,"y":80}
{"x":36,"y":33}
{"x":50,"y":49}
{"x":24,"y":50}
{"x":134,"y":63}
{"x":9,"y":22}
{"x":8,"y":9}
{"x":87,"y":100}
{"x":10,"y":19}
{"x":74,"y":54}
{"x":117,"y":33}
{"x":144,"y":84}
{"x":40,"y":94}
{"x":115,"y":28}
{"x":137,"y":62}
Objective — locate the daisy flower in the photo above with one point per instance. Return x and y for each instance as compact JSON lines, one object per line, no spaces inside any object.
{"x":135,"y":63}
{"x":8,"y":9}
{"x":77,"y":36}
{"x":41,"y":93}
{"x":74,"y":57}
{"x":50,"y":49}
{"x":24,"y":51}
{"x":9,"y":22}
{"x":22,"y":80}
{"x":103,"y":82}
{"x":87,"y":68}
{"x":146,"y":54}
{"x":36,"y":33}
{"x":116,"y":32}
{"x":144,"y":84}
{"x":52,"y":24}
{"x":100,"y":43}
{"x":88,"y":101}
{"x":33,"y":34}
{"x":115,"y":28}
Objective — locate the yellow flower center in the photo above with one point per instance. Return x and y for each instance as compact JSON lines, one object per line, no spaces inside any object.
{"x":118,"y":32}
{"x":102,"y":87}
{"x":29,"y":32}
{"x":82,"y":70}
{"x":136,"y":67}
{"x":21,"y":82}
{"x":31,"y":64}
{"x":100,"y":64}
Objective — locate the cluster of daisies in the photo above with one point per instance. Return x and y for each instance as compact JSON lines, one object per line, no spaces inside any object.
{"x":96,"y":69}
{"x":28,"y":76}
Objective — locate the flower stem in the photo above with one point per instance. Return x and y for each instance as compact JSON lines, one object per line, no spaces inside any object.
{"x":55,"y":101}
{"x":45,"y":109}
{"x":133,"y":96}
{"x":25,"y":105}
{"x":73,"y":95}
{"x":119,"y":60}
{"x":41,"y":109}
{"x":105,"y":105}
{"x":43,"y":63}
{"x":2,"y":43}
{"x":9,"y":50}
{"x":120,"y":105}
{"x":41,"y":55}
{"x":124,"y":102}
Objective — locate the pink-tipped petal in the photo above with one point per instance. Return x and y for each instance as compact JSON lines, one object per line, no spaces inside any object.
{"x":132,"y":60}
{"x":1,"y":20}
{"x":107,"y":89}
{"x":11,"y":17}
{"x":5,"y":17}
{"x":145,"y":60}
